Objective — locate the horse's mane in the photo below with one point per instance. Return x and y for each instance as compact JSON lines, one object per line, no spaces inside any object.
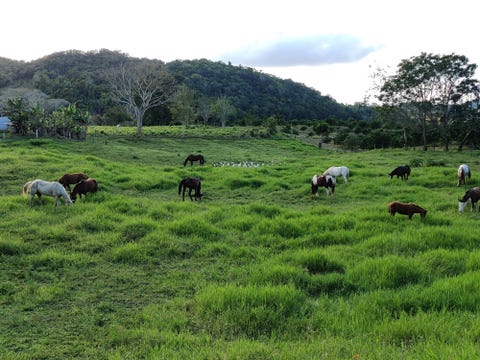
{"x":26,"y":187}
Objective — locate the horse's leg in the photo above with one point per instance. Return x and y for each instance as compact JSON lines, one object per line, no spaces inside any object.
{"x":190,"y":194}
{"x":31,"y":199}
{"x":57,"y":200}
{"x":183,"y":193}
{"x":40,"y":198}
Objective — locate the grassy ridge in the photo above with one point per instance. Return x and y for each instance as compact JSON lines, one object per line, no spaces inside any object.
{"x":259,"y":269}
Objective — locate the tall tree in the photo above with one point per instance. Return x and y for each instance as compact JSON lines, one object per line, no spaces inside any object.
{"x":205,"y":108}
{"x":223,"y":108}
{"x":140,"y":86}
{"x":183,"y":105}
{"x":432,"y":84}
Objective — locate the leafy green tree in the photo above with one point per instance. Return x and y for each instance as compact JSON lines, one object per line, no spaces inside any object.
{"x":270,"y":124}
{"x":37,"y":118}
{"x":205,"y":108}
{"x":223,"y":109}
{"x":17,"y":111}
{"x":432,"y":84}
{"x":183,"y":105}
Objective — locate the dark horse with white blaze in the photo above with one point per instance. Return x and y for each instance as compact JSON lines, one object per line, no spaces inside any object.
{"x":402,"y":171}
{"x":83,"y":187}
{"x":463,"y":173}
{"x":192,"y":184}
{"x":71,"y":179}
{"x":326,"y":181}
{"x":193,"y":158}
{"x":406,"y":209}
{"x":472,"y":195}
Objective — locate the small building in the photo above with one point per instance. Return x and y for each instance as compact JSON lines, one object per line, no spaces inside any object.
{"x":4,"y":123}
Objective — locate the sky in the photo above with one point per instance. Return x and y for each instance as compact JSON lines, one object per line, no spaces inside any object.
{"x":332,"y":46}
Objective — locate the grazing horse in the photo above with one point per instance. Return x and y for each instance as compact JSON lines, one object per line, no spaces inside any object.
{"x":338,"y":171}
{"x":69,"y":179}
{"x":41,"y":187}
{"x":193,"y":158}
{"x":327,"y":181}
{"x":83,"y":187}
{"x":463,"y":173}
{"x":472,"y":195}
{"x":401,"y":171}
{"x":406,"y":209}
{"x":192,"y":183}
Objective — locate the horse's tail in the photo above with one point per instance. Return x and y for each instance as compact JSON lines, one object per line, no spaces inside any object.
{"x":26,"y":188}
{"x":186,"y":161}
{"x":180,"y":186}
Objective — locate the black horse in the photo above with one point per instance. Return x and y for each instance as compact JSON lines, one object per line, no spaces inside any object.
{"x":402,"y":172}
{"x":193,"y":158}
{"x":192,"y":183}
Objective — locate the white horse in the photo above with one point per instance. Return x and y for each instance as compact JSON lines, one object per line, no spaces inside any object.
{"x":41,"y":187}
{"x":463,"y":173}
{"x":338,"y":171}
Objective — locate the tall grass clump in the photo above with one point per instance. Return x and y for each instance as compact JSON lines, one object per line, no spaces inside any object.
{"x":136,"y":229}
{"x":13,"y":247}
{"x":315,"y":261}
{"x":442,"y":262}
{"x":195,"y":227}
{"x":251,"y":311}
{"x":389,"y":272}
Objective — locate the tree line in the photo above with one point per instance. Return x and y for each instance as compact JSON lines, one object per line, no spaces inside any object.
{"x":430,"y":99}
{"x":192,"y":91}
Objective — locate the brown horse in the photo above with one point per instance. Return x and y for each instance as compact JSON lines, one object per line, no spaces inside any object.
{"x":406,"y":209}
{"x":83,"y":187}
{"x":193,"y":158}
{"x":69,"y":179}
{"x":192,"y":183}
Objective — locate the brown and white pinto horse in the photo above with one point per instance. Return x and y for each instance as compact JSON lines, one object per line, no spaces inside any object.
{"x":472,"y":195}
{"x":463,"y":173}
{"x":326,"y":181}
{"x":71,"y":179}
{"x":406,"y":209}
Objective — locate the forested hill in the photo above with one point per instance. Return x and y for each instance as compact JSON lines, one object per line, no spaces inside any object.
{"x":78,"y":77}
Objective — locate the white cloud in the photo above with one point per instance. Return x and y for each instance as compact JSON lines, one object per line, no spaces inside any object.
{"x":324,"y":44}
{"x":309,"y":50}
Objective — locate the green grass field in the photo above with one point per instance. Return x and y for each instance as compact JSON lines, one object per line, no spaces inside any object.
{"x":259,"y":269}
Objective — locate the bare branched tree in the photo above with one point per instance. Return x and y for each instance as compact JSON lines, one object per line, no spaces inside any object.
{"x":140,"y":86}
{"x":223,"y":108}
